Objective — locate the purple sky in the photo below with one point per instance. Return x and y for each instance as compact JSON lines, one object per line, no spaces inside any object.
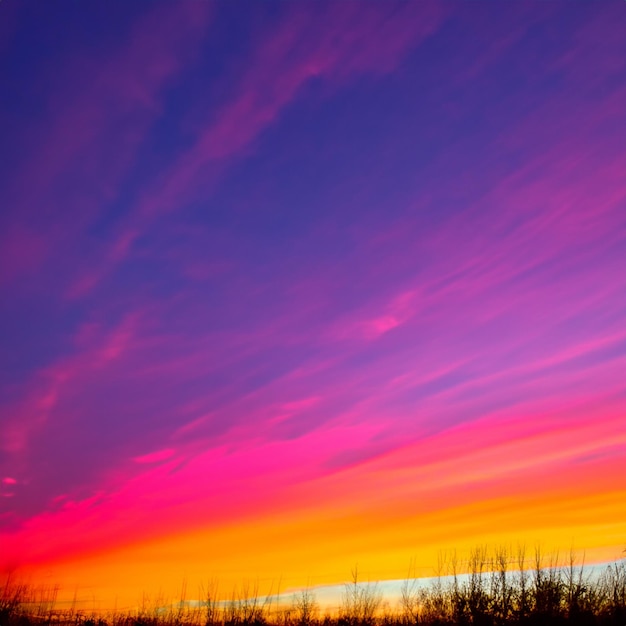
{"x":315,"y":232}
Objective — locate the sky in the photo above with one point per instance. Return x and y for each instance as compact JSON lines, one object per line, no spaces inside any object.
{"x":289,"y":287}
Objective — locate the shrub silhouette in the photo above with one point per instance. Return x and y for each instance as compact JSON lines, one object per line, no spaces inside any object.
{"x":305,"y":608}
{"x":360,"y":602}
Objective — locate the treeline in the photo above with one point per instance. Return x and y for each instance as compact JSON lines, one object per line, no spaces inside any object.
{"x":494,"y":588}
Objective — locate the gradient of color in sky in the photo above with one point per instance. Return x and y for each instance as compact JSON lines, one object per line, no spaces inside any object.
{"x":292,"y":286}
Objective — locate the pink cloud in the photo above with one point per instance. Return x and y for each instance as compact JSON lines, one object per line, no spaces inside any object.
{"x":277,"y":476}
{"x":96,"y":348}
{"x":116,"y":97}
{"x":301,"y":405}
{"x":283,"y":63}
{"x":155,"y":457}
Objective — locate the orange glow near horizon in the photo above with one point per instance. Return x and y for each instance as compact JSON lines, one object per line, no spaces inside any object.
{"x":381,"y":515}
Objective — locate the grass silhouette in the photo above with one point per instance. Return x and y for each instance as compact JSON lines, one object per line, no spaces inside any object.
{"x":494,"y":588}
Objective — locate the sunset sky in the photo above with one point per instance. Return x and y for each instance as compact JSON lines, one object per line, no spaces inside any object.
{"x":287,"y":287}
